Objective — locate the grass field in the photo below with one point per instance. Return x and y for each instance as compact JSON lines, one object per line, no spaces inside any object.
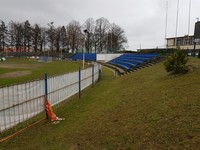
{"x":147,"y":109}
{"x":22,"y":70}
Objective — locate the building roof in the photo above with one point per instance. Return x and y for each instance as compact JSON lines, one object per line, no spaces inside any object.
{"x":180,"y":37}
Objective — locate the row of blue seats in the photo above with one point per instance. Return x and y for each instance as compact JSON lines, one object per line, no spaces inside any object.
{"x":143,"y":55}
{"x":88,"y":56}
{"x":131,"y":61}
{"x":123,"y":64}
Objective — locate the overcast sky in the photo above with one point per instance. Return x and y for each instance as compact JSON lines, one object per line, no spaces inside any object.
{"x":143,"y":20}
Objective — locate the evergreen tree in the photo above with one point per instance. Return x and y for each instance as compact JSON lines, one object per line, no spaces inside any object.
{"x":176,"y":62}
{"x":3,"y":35}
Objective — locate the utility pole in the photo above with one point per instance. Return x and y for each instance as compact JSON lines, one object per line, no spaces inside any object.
{"x":84,"y":49}
{"x":189,"y":23}
{"x":165,"y":43}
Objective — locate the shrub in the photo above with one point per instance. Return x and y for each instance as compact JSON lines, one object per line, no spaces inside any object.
{"x":176,"y":62}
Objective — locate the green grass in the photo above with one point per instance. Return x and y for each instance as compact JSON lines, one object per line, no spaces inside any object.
{"x":144,"y":110}
{"x":38,"y":69}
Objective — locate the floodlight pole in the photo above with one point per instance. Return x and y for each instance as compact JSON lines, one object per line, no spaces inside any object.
{"x":165,"y":43}
{"x":84,"y":54}
{"x":84,"y":49}
{"x":176,"y":24}
{"x":111,"y":39}
{"x":189,"y":23}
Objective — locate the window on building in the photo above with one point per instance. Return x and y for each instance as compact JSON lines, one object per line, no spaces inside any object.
{"x":179,"y":41}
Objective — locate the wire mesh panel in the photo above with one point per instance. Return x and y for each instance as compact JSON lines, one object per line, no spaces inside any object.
{"x":97,"y":70}
{"x":20,"y":102}
{"x":86,"y":78}
{"x":62,"y":87}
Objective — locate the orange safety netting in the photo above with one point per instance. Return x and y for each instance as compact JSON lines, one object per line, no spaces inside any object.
{"x":50,"y":112}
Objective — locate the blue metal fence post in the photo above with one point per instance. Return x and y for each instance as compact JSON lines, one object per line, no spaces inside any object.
{"x":46,"y":85}
{"x":46,"y":91}
{"x":79,"y":85}
{"x":115,"y":72}
{"x":194,"y":53}
{"x":93,"y":75}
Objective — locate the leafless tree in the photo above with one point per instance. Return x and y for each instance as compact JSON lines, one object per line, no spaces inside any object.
{"x":51,"y":35}
{"x":101,"y":29}
{"x":75,"y":36}
{"x":99,"y":35}
{"x":57,"y":36}
{"x":37,"y":37}
{"x":89,"y":25}
{"x":16,"y":32}
{"x":117,"y":38}
{"x":63,"y":38}
{"x":27,"y":35}
{"x":43,"y":41}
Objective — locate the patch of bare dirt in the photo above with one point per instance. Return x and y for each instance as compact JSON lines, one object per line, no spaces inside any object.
{"x":15,"y":74}
{"x":192,"y":66}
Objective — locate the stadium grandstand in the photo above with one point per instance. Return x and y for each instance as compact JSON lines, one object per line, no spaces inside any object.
{"x":122,"y":63}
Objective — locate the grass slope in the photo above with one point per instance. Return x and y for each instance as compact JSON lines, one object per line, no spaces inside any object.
{"x":144,"y":110}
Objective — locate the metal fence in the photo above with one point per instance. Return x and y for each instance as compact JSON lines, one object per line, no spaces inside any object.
{"x":21,"y":102}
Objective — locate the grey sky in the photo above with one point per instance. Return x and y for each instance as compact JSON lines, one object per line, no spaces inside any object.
{"x":142,"y":20}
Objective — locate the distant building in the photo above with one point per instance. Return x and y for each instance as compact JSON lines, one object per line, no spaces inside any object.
{"x":184,"y":42}
{"x":149,"y":50}
{"x":13,"y":49}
